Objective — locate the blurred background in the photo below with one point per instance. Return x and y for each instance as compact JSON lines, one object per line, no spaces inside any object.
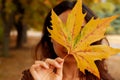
{"x":20,"y":30}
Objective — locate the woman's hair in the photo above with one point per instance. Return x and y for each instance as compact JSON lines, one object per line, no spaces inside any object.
{"x":44,"y":49}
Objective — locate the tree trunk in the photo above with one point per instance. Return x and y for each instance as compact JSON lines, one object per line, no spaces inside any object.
{"x":25,"y":28}
{"x":7,"y":24}
{"x":21,"y":34}
{"x":21,"y":29}
{"x":6,"y":40}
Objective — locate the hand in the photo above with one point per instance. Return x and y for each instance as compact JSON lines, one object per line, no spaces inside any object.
{"x":50,"y":69}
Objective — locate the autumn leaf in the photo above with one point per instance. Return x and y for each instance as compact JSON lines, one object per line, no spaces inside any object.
{"x":78,"y":40}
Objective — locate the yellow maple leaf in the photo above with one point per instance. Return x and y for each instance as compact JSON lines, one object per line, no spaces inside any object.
{"x":78,"y":41}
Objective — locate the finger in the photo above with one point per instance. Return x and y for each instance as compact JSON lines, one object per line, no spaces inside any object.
{"x":59,"y":70}
{"x":42,"y":64}
{"x":34,"y":72}
{"x":59,"y":60}
{"x":53,"y":63}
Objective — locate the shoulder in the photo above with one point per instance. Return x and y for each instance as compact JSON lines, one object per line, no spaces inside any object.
{"x":26,"y":75}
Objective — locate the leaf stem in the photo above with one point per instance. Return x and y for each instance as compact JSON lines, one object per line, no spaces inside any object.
{"x":66,"y":56}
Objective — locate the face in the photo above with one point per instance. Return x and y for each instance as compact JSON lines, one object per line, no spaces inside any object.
{"x":59,"y":49}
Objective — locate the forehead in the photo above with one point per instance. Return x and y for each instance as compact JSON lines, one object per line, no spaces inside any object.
{"x":63,"y":16}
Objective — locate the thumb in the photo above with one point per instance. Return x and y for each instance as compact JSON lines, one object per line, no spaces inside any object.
{"x":34,"y":72}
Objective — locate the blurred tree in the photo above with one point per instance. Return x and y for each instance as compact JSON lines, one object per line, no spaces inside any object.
{"x":22,"y":14}
{"x":6,"y":16}
{"x":21,"y":29}
{"x":116,"y":23}
{"x":114,"y":1}
{"x":105,"y":9}
{"x":89,"y":2}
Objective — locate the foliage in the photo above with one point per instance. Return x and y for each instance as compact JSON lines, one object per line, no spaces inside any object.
{"x":78,"y":40}
{"x":34,"y":11}
{"x":34,"y":16}
{"x":103,"y":9}
{"x":88,"y":2}
{"x":116,"y":2}
{"x":107,"y":9}
{"x":110,"y":30}
{"x":116,"y":23}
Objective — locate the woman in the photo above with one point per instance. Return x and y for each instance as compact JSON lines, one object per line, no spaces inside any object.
{"x":51,"y":65}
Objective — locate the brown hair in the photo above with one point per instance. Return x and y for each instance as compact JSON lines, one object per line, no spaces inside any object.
{"x":44,"y":49}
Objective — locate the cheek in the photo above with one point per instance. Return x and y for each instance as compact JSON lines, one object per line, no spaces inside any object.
{"x":59,"y":50}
